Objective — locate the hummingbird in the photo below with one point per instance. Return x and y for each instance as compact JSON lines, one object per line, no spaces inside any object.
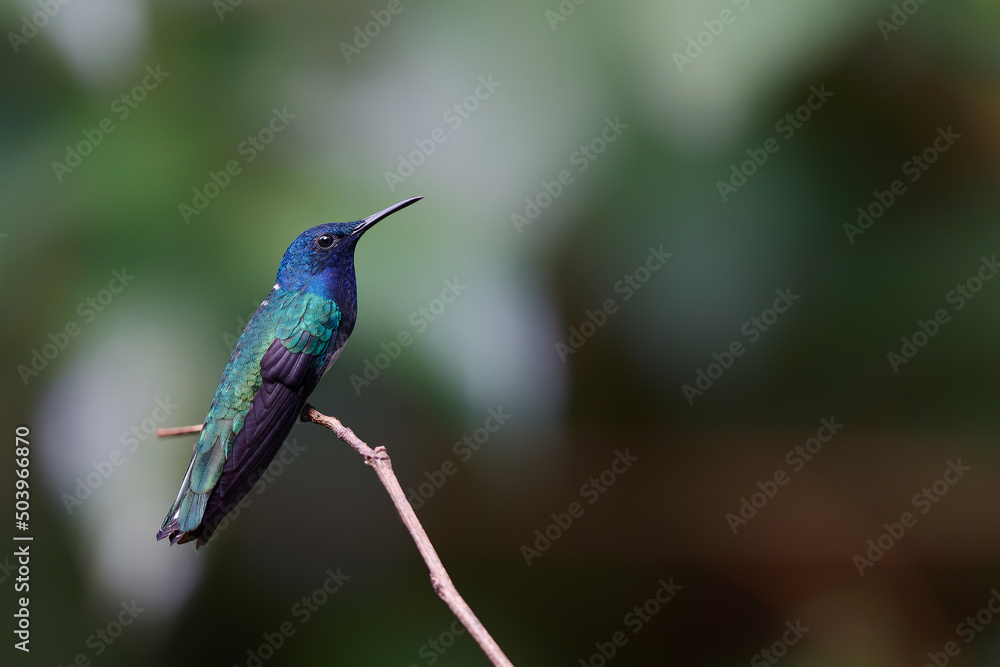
{"x":289,"y":343}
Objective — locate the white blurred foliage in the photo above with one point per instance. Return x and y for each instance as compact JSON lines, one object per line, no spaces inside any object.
{"x":706,"y":103}
{"x":102,"y":41}
{"x":498,"y":345}
{"x":119,"y":368}
{"x":500,"y":349}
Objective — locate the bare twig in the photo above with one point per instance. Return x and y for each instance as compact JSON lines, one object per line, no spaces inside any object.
{"x":177,"y":430}
{"x":378,"y":459}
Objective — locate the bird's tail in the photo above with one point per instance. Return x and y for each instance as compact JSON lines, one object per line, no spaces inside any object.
{"x":183,"y":521}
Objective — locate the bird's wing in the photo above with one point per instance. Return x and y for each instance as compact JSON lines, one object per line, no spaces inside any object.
{"x":255,"y":407}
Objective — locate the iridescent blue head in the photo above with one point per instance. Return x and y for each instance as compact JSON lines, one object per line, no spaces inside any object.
{"x":321,"y":259}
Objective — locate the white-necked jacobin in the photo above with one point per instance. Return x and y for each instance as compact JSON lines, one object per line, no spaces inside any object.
{"x":289,"y":343}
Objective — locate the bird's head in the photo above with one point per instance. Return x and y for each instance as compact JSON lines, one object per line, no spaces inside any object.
{"x":323,"y":256}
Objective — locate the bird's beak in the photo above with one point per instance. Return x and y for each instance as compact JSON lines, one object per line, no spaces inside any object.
{"x":367,"y":223}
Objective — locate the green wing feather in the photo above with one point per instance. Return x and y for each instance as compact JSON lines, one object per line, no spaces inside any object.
{"x":303,"y":322}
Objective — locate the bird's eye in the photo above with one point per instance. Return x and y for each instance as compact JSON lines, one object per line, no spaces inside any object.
{"x":324,"y":241}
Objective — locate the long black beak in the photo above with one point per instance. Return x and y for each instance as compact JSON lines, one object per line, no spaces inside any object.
{"x":367,"y":223}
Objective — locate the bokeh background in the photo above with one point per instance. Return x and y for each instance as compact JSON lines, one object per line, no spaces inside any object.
{"x":356,"y":106}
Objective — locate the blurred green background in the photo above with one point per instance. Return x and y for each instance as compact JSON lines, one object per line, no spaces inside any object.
{"x":739,"y":136}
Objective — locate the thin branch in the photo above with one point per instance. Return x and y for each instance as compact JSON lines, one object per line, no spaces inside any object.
{"x":177,"y":430}
{"x":378,"y":459}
